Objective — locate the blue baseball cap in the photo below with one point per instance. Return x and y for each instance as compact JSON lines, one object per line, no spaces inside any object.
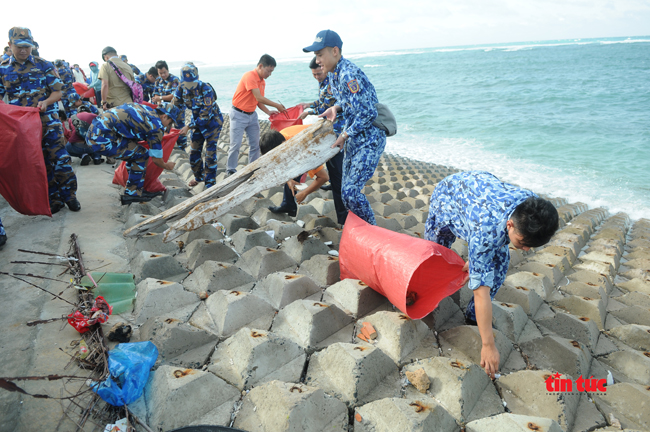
{"x":21,"y":36}
{"x":172,"y":112}
{"x":325,"y":38}
{"x":73,"y":97}
{"x":189,"y":75}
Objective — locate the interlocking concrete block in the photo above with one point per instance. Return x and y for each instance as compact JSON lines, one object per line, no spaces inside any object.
{"x":251,"y":357}
{"x":559,"y":250}
{"x":157,"y":266}
{"x":420,"y":413}
{"x":589,"y":290}
{"x":635,"y":298}
{"x":525,"y":393}
{"x":405,"y":220}
{"x":383,"y":209}
{"x":445,"y":316}
{"x":182,"y":397}
{"x":200,"y":251}
{"x":416,"y":202}
{"x":633,"y":315}
{"x":388,"y":223}
{"x":633,"y":335}
{"x":570,"y":241}
{"x":582,"y":329}
{"x":136,"y":218}
{"x":638,"y":254}
{"x":633,"y":364}
{"x":551,"y":271}
{"x":464,"y":389}
{"x":173,"y":192}
{"x":280,"y":289}
{"x":232,"y":310}
{"x":263,"y":216}
{"x":509,"y":318}
{"x":260,"y":262}
{"x":639,"y":263}
{"x":322,"y":206}
{"x":527,"y":298}
{"x":591,"y":279}
{"x":598,"y":267}
{"x":610,"y":233}
{"x":558,"y":354}
{"x":212,"y":276}
{"x":304,"y":210}
{"x":604,"y":257}
{"x":283,"y":229}
{"x":206,"y":232}
{"x":273,"y":191}
{"x":533,"y":281}
{"x":558,"y":260}
{"x":278,"y":406}
{"x":311,"y":324}
{"x":514,"y":423}
{"x":235,"y":222}
{"x":401,"y":205}
{"x":313,"y":221}
{"x":322,"y":269}
{"x":251,"y":205}
{"x":628,"y":403}
{"x":354,"y":297}
{"x":402,"y":338}
{"x":178,"y":343}
{"x":303,"y":250}
{"x":329,"y":234}
{"x":354,"y":374}
{"x":420,"y":215}
{"x":594,"y":309}
{"x":605,"y":245}
{"x":161,"y":298}
{"x":152,"y":242}
{"x":144,"y":209}
{"x":464,"y":343}
{"x":245,"y":239}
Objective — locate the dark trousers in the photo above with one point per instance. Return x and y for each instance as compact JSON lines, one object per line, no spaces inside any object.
{"x":335,"y":171}
{"x":288,"y":200}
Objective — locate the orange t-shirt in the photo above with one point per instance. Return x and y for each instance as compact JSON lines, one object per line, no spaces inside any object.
{"x":292,"y":131}
{"x":243,"y":97}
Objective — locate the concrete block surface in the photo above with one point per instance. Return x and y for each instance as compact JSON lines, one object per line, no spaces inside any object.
{"x":159,"y":298}
{"x":354,"y":297}
{"x":281,"y":289}
{"x":398,"y":414}
{"x":200,"y":251}
{"x":303,"y":250}
{"x":628,"y":403}
{"x":206,"y":232}
{"x":245,"y":239}
{"x":213,"y":276}
{"x":322,"y":269}
{"x":157,"y":266}
{"x":261,"y":261}
{"x":558,"y":354}
{"x":633,"y":335}
{"x":235,"y":222}
{"x":151,"y":242}
{"x":582,"y":329}
{"x":533,"y":281}
{"x":232,"y":310}
{"x":514,"y":423}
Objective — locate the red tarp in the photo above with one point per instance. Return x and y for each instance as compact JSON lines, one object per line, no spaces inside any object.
{"x":23,"y":179}
{"x":151,"y":182}
{"x":288,"y":118}
{"x":395,"y":264}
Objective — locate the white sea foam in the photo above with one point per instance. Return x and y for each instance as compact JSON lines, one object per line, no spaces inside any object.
{"x":372,"y":66}
{"x":589,"y":188}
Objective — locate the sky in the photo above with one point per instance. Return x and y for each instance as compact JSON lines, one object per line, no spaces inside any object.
{"x":221,"y":32}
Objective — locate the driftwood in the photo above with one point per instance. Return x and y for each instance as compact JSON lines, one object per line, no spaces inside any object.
{"x":305,"y":151}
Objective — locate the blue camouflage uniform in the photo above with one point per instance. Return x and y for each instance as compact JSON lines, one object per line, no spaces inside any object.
{"x":168,"y":87}
{"x":84,"y":107}
{"x":147,"y":86}
{"x":2,"y":229}
{"x":65,"y":73}
{"x":206,"y":122}
{"x":356,"y":95}
{"x":475,"y":206}
{"x":26,"y":85}
{"x":335,"y":165}
{"x":116,"y":133}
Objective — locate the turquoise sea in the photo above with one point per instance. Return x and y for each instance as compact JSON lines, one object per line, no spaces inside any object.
{"x":568,"y":118}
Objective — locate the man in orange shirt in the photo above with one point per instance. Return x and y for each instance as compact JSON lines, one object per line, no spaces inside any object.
{"x":249,"y":95}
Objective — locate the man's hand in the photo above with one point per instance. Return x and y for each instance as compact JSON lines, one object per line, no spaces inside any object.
{"x":184,"y":130}
{"x":159,"y":162}
{"x":466,"y":269}
{"x":490,"y":359}
{"x":42,"y":105}
{"x":169,"y":165}
{"x":303,"y":115}
{"x":271,"y":112}
{"x":304,"y":105}
{"x":156,"y":99}
{"x":292,"y":186}
{"x":340,"y":141}
{"x":281,"y":108}
{"x":300,"y":197}
{"x":330,"y":113}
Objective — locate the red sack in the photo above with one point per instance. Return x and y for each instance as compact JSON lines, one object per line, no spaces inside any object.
{"x":149,"y":104}
{"x":396,"y":265}
{"x":151,"y":182}
{"x":81,"y":88}
{"x":100,"y":312}
{"x":288,"y":118}
{"x":90,"y":93}
{"x":23,"y":180}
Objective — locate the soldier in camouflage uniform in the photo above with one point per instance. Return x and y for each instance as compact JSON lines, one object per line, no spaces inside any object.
{"x":116,"y":133}
{"x":147,"y":81}
{"x":136,"y":70}
{"x":77,"y":105}
{"x":201,"y":99}
{"x":164,"y":89}
{"x":30,"y":81}
{"x":65,"y":73}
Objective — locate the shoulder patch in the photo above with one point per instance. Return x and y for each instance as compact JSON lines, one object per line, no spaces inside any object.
{"x":353,"y":85}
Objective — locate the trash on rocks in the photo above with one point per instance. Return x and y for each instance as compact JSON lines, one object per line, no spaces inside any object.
{"x":368,"y":330}
{"x":129,"y":365}
{"x":271,"y":233}
{"x":358,"y":417}
{"x":219,"y":226}
{"x":333,"y":253}
{"x":363,"y":337}
{"x":83,"y":349}
{"x":117,"y":288}
{"x":300,"y":223}
{"x":120,"y":332}
{"x":99,"y":314}
{"x":419,"y":379}
{"x":610,"y":378}
{"x":118,"y":426}
{"x":203,"y":295}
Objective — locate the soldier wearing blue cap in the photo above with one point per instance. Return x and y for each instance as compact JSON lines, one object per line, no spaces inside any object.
{"x":30,"y":81}
{"x":136,"y":70}
{"x":166,"y":85}
{"x":201,"y":99}
{"x":356,"y":98}
{"x":65,"y":73}
{"x":148,"y":82}
{"x":77,"y":105}
{"x":116,"y":133}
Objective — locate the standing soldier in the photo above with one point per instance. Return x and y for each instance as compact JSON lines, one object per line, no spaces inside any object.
{"x":116,"y":133}
{"x":356,"y":98}
{"x":68,"y":79}
{"x":30,"y":81}
{"x":147,"y":81}
{"x":166,"y":85}
{"x":201,"y":99}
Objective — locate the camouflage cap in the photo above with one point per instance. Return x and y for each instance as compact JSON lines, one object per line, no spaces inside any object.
{"x":21,"y":36}
{"x":171,"y":111}
{"x":59,"y":63}
{"x":73,"y":97}
{"x":189,"y":75}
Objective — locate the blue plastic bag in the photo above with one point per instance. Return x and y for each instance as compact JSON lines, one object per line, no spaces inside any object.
{"x":129,"y":365}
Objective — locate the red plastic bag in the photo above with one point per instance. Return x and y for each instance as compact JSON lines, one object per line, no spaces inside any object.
{"x":396,"y":265}
{"x":23,"y":179}
{"x":100,"y":312}
{"x":81,"y":88}
{"x":288,"y":118}
{"x":151,"y":182}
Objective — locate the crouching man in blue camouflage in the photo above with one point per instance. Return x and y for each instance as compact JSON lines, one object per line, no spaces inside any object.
{"x":363,"y":143}
{"x":116,"y":133}
{"x":77,"y":105}
{"x":201,"y":99}
{"x":488,"y":214}
{"x":30,"y":81}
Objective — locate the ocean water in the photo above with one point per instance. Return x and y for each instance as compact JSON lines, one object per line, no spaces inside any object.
{"x":567,"y":118}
